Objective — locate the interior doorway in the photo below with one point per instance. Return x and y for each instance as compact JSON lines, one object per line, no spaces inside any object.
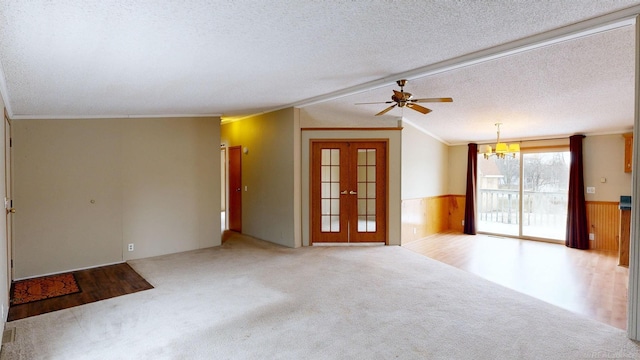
{"x":8,"y":198}
{"x":349,"y":191}
{"x":234,"y":210}
{"x":223,"y":188}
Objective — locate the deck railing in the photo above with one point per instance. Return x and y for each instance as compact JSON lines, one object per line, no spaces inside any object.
{"x":538,"y":208}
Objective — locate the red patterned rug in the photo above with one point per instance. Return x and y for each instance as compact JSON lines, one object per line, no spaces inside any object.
{"x":30,"y":290}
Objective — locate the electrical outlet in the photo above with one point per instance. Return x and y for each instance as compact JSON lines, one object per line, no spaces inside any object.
{"x":591,"y":190}
{"x":130,"y":247}
{"x":462,"y":222}
{"x":592,"y":236}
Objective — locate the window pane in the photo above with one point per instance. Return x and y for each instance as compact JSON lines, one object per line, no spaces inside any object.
{"x":362,"y":173}
{"x":362,"y":190}
{"x":335,"y":190}
{"x":335,"y":223}
{"x":498,"y":195}
{"x":371,"y":157}
{"x":326,"y":224}
{"x":371,"y":173}
{"x":325,"y":173}
{"x":371,"y":190}
{"x":326,"y":157}
{"x":362,"y":207}
{"x":362,"y":157}
{"x":335,"y":156}
{"x":335,"y":207}
{"x":325,"y":207}
{"x":544,"y":196}
{"x":335,"y":173}
{"x":371,"y":207}
{"x":371,"y":224}
{"x":325,"y":192}
{"x":362,"y":223}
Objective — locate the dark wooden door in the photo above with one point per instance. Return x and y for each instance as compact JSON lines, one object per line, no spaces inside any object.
{"x":235,"y":188}
{"x":349,"y":191}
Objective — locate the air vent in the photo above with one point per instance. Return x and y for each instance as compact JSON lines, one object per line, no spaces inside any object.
{"x":9,"y":336}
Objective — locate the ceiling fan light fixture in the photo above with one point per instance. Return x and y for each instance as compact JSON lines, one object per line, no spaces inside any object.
{"x":403,"y":99}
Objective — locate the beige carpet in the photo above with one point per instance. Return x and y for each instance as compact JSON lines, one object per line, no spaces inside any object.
{"x":253,"y":300}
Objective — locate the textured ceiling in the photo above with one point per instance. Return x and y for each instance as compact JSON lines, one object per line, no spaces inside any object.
{"x":156,"y":58}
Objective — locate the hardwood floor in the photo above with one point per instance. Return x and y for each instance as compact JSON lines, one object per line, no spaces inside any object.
{"x":585,"y":282}
{"x":96,"y":284}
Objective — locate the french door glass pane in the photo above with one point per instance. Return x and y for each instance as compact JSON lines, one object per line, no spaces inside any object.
{"x":498,"y":195}
{"x":544,"y":195}
{"x":330,"y":190}
{"x":366,"y":190}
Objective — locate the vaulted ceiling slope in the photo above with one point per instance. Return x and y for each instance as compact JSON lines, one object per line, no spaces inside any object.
{"x":84,"y":59}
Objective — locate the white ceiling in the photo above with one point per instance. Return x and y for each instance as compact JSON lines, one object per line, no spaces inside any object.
{"x":84,"y":59}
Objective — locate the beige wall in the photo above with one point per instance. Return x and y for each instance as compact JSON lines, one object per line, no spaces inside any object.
{"x":87,"y":188}
{"x":457,"y":169}
{"x":424,"y":164}
{"x":604,"y":158}
{"x":270,"y":173}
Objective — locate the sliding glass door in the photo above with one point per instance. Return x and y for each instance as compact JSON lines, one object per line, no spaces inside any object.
{"x":524,"y":196}
{"x":499,"y":195}
{"x":544,"y":200}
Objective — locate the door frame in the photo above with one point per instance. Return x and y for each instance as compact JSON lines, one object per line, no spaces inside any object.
{"x":394,"y":169}
{"x":8,"y":197}
{"x":348,"y":206}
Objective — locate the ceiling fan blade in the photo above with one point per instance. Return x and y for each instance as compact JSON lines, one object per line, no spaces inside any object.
{"x":386,"y":110}
{"x":433,"y":100}
{"x":419,"y":108}
{"x":379,"y":102}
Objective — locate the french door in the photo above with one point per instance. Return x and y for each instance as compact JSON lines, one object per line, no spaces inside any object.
{"x":349,"y":191}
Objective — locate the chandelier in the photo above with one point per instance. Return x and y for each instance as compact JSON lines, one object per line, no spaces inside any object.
{"x":502,"y":149}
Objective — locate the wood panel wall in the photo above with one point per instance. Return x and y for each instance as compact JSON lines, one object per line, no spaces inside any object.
{"x":431,"y":215}
{"x":456,"y":212}
{"x":603,"y":220}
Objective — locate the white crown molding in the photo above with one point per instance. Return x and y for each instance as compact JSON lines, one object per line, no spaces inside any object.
{"x":127,"y":116}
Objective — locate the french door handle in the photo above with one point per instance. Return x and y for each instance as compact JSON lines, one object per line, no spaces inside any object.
{"x":352,"y":192}
{"x":343,"y":192}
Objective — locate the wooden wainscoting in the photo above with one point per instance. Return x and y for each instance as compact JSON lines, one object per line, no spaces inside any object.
{"x":456,"y":212}
{"x":431,"y":215}
{"x":603,"y":220}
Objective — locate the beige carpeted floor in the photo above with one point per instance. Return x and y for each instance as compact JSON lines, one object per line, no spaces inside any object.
{"x":249,"y":299}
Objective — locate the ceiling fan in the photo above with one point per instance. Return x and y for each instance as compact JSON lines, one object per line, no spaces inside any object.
{"x":402,"y":99}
